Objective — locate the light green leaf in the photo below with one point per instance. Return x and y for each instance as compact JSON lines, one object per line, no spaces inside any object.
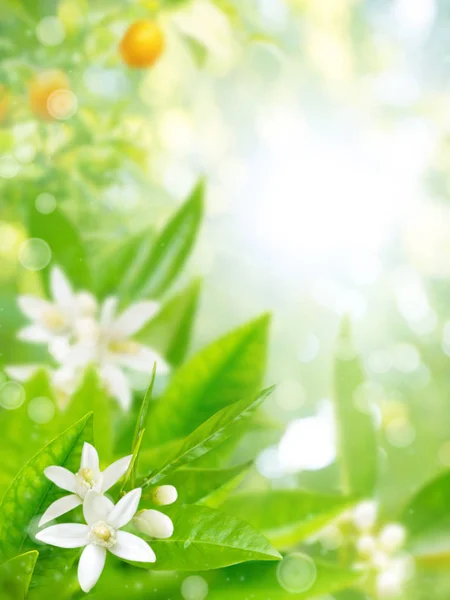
{"x":31,"y":492}
{"x":206,"y":485}
{"x":355,"y":423}
{"x":429,"y":508}
{"x":286,"y":517}
{"x":214,"y":431}
{"x":205,"y":538}
{"x":170,"y":249}
{"x":227,"y":370}
{"x":65,"y":244}
{"x":15,"y":576}
{"x":170,"y":331}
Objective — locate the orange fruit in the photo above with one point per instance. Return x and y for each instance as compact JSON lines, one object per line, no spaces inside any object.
{"x":142,"y":44}
{"x":41,"y":88}
{"x":4,"y":102}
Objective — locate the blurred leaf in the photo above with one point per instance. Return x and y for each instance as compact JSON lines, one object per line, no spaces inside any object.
{"x":355,"y":428}
{"x":170,"y":250}
{"x":212,"y":432}
{"x":15,"y":576}
{"x":130,"y":474}
{"x":204,"y":485}
{"x":31,"y":492}
{"x":227,"y":370}
{"x":205,"y":539}
{"x":65,"y":244}
{"x":91,"y":396}
{"x":17,"y":426}
{"x":170,"y":331}
{"x":286,"y":517}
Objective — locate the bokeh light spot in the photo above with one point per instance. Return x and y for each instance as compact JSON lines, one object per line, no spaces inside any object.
{"x":41,"y":410}
{"x":45,"y":203}
{"x":50,"y":31}
{"x":12,"y":395}
{"x":9,"y":167}
{"x":296,"y":573}
{"x":34,"y":254}
{"x":194,"y":588}
{"x":62,"y":104}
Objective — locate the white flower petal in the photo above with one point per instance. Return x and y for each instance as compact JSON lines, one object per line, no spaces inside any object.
{"x":135,"y":317}
{"x":90,"y":567}
{"x":66,"y":535}
{"x":61,"y":477}
{"x":125,"y":509}
{"x":144,"y":360}
{"x":34,"y":333}
{"x":117,"y":384}
{"x":114,"y":472}
{"x":33,"y":307}
{"x":96,"y":507}
{"x":60,"y":507}
{"x":60,"y":287}
{"x":21,"y":372}
{"x":89,"y":459}
{"x":108,"y":311}
{"x":131,"y":547}
{"x":71,"y":355}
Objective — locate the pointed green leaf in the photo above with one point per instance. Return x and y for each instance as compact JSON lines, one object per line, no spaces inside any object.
{"x":205,"y":538}
{"x":170,"y":331}
{"x":355,"y":421}
{"x":206,"y":485}
{"x":170,"y":249}
{"x":15,"y":576}
{"x":214,"y":431}
{"x":65,"y":244}
{"x":229,"y":369}
{"x":286,"y":517}
{"x":31,"y":492}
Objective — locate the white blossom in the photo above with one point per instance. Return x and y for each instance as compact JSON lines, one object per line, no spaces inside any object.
{"x":164,"y":494}
{"x":153,"y":523}
{"x":52,"y":319}
{"x":102,"y":533}
{"x":88,"y":477}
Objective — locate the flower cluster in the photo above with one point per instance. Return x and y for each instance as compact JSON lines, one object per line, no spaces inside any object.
{"x":104,"y":520}
{"x":378,"y":550}
{"x":79,"y":331}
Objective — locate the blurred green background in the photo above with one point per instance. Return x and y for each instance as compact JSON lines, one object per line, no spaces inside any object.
{"x":322,"y":130}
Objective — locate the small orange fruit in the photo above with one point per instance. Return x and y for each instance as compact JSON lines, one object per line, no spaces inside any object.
{"x":41,"y":88}
{"x":142,"y":44}
{"x":4,"y":102}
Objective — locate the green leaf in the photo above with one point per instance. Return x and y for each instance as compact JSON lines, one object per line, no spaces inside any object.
{"x":17,"y":426}
{"x":15,"y":576}
{"x":214,"y":431}
{"x":65,"y":244}
{"x":225,"y":371}
{"x":31,"y":492}
{"x":170,"y":331}
{"x":171,"y":249}
{"x":205,"y":538}
{"x":142,"y":417}
{"x":130,"y":474}
{"x":286,"y":517}
{"x":206,"y":485}
{"x":91,"y":396}
{"x":355,"y":423}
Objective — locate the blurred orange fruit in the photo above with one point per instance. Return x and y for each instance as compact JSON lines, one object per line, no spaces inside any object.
{"x":41,"y":88}
{"x":142,"y":44}
{"x":4,"y":102}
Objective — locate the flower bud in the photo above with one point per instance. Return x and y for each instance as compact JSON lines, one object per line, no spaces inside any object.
{"x":366,"y":546}
{"x":392,"y":537}
{"x":365,"y":515}
{"x":153,"y":523}
{"x":389,"y":585}
{"x":163,"y":495}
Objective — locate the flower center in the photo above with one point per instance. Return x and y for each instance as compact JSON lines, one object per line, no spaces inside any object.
{"x":53,"y":319}
{"x":85,"y":480}
{"x":124,"y":347}
{"x":102,"y":534}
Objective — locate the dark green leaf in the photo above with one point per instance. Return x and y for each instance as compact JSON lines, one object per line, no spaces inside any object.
{"x":229,"y":369}
{"x":355,"y":422}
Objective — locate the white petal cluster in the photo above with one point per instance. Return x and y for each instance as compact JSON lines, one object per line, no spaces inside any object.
{"x":79,"y":332}
{"x":102,"y":531}
{"x":153,"y":522}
